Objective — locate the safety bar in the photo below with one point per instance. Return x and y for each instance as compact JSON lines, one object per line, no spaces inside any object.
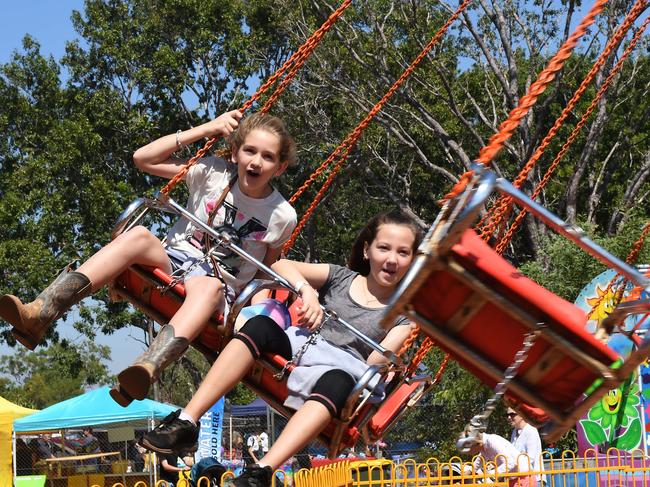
{"x":126,"y":221}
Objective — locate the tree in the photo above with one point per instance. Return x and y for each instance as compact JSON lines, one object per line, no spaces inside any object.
{"x":146,"y":68}
{"x":40,"y":379}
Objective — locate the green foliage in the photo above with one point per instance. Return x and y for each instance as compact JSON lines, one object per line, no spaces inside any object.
{"x":565,"y":269}
{"x":63,"y":370}
{"x":142,"y":69}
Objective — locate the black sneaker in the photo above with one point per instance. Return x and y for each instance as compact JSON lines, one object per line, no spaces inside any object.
{"x":255,"y":476}
{"x":172,"y":436}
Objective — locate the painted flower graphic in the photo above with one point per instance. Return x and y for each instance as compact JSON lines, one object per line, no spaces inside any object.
{"x":607,"y":409}
{"x":614,"y":420}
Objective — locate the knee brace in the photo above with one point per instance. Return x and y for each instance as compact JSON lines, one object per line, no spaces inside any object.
{"x":332,"y":390}
{"x":261,"y":335}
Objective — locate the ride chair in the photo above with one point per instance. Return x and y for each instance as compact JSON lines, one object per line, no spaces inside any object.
{"x":480,"y":309}
{"x":159,"y":296}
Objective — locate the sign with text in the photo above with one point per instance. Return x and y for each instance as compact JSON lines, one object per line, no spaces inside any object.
{"x":210,"y":433}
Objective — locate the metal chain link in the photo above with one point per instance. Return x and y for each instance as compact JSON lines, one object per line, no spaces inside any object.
{"x":298,"y":355}
{"x":329,"y":315}
{"x":179,"y":274}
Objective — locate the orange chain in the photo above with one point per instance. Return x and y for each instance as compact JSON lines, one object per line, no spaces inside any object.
{"x":415,"y":332}
{"x":501,"y":207}
{"x":427,"y":345}
{"x":506,"y":129}
{"x":505,"y":240}
{"x":346,"y":146}
{"x":292,"y":65}
{"x":441,"y":369}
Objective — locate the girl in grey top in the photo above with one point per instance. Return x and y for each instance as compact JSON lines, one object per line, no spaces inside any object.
{"x":325,"y":374}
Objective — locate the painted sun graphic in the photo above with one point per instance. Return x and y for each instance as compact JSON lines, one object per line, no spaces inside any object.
{"x":602,"y":304}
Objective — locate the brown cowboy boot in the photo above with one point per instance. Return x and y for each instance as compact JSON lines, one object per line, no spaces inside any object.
{"x":32,"y":320}
{"x":134,"y":381}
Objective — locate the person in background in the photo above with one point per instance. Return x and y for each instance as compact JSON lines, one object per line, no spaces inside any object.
{"x":169,"y":469}
{"x":90,"y":446}
{"x":40,"y":450}
{"x":45,"y":447}
{"x":137,"y":456}
{"x":500,"y":457}
{"x":525,"y":439}
{"x":263,"y":440}
{"x":252,"y":447}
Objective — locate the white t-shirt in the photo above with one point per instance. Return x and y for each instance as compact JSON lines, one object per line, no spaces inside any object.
{"x":500,"y":451}
{"x":264,"y":441}
{"x":526,"y":440}
{"x":252,"y":443}
{"x":256,"y":223}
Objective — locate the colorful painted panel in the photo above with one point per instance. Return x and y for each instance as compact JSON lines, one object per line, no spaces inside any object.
{"x":621,"y":418}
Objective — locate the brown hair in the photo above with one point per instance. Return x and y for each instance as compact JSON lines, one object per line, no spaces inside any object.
{"x":274,"y":125}
{"x":367,"y":235}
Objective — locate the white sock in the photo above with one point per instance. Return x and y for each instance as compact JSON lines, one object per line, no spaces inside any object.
{"x":262,"y":465}
{"x":186,"y":417}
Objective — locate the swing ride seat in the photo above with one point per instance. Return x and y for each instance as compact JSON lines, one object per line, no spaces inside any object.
{"x":361,"y":418}
{"x":479,"y":308}
{"x":143,"y":287}
{"x":150,"y":291}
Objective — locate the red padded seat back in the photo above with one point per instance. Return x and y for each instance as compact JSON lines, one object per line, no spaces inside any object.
{"x":165,"y":305}
{"x":496,"y":334}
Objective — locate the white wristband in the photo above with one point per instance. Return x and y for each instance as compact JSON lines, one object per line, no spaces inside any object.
{"x":179,"y":144}
{"x":299,"y":285}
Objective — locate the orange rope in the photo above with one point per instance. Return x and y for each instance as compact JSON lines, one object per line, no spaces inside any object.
{"x":346,"y":146}
{"x":292,"y":65}
{"x":489,"y":152}
{"x":501,"y":207}
{"x":506,"y":129}
{"x":505,"y":240}
{"x":427,"y":345}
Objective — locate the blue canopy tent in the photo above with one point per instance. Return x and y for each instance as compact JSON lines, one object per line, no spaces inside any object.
{"x":256,"y":408}
{"x":94,"y":408}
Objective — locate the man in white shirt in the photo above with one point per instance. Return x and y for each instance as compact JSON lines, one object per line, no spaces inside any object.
{"x":253,"y":446}
{"x":526,"y":439}
{"x":264,"y":443}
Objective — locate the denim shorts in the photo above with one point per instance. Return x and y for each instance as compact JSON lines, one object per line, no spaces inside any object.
{"x":182,"y":261}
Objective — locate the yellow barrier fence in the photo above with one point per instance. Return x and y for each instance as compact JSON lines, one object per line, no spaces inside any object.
{"x":611,"y":469}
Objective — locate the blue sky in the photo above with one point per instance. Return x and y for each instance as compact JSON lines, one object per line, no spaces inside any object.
{"x":48,"y":21}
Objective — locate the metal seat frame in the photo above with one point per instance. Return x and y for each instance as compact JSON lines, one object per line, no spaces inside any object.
{"x":143,"y":288}
{"x":437,"y":254}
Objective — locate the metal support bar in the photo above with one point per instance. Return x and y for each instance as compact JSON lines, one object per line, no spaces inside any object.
{"x":224,"y":240}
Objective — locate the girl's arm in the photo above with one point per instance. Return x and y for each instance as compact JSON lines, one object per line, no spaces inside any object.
{"x":393,"y":342}
{"x":157,"y":157}
{"x":309,"y":278}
